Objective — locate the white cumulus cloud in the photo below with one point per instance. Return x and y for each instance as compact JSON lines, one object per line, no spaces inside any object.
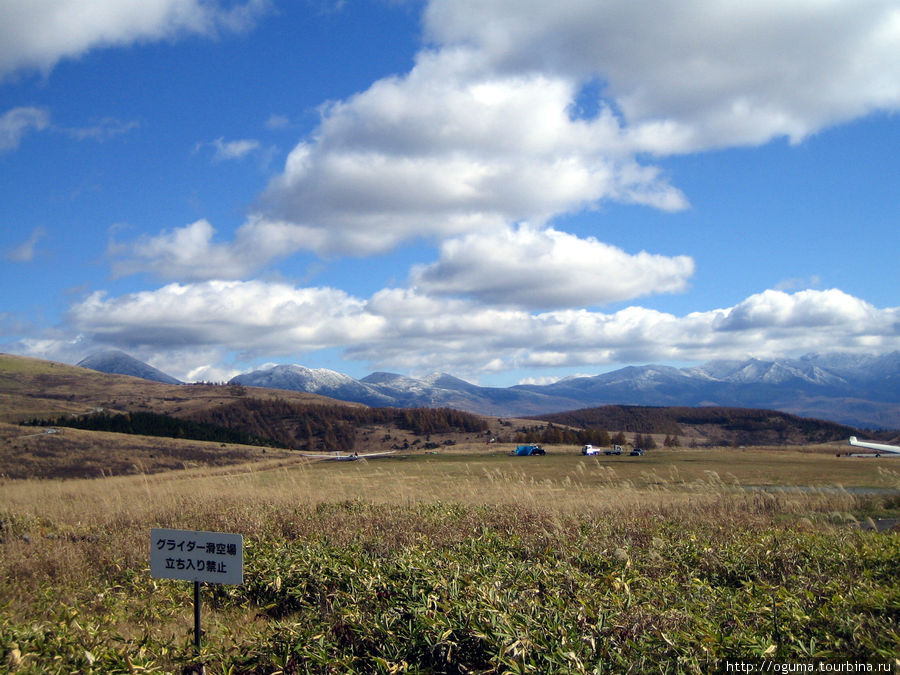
{"x":38,"y":33}
{"x":448,"y":150}
{"x":191,"y":253}
{"x":187,"y":251}
{"x":545,"y":268}
{"x":694,"y":74}
{"x":251,"y":316}
{"x":804,"y":309}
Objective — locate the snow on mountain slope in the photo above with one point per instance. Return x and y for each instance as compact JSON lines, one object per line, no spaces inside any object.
{"x":864,"y":391}
{"x":120,"y":363}
{"x":314,"y":381}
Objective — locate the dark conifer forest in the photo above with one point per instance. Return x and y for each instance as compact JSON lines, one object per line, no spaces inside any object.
{"x":277,"y":423}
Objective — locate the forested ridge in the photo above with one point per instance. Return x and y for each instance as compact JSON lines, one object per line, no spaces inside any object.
{"x":333,"y":427}
{"x":155,"y":424}
{"x":277,"y":423}
{"x":743,"y":425}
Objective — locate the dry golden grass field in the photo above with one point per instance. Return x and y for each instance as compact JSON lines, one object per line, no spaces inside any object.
{"x":323,"y":537}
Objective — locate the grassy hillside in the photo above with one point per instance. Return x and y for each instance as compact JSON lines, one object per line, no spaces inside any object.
{"x":28,"y":452}
{"x":36,"y":388}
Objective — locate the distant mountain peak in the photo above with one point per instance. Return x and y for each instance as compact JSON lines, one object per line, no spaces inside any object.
{"x":439,"y":379}
{"x":117,"y":362}
{"x":320,"y":381}
{"x":380,"y":377}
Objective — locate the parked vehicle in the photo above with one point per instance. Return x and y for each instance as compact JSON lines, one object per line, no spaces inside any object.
{"x":528,"y":450}
{"x":590,"y":450}
{"x":637,"y":452}
{"x":614,"y":450}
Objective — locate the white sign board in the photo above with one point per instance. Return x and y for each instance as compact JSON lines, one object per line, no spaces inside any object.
{"x":212,"y":557}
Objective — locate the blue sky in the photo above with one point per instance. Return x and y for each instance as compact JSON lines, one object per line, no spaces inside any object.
{"x":507,"y":191}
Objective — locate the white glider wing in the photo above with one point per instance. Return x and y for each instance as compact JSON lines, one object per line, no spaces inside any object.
{"x":877,"y":447}
{"x":349,"y":458}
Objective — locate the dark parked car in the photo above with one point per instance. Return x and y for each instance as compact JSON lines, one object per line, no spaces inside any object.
{"x":528,"y":450}
{"x":637,"y":452}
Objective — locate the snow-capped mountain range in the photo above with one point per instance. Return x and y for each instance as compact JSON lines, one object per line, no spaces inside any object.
{"x":859,"y":390}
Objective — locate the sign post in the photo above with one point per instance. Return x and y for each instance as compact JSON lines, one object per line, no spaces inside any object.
{"x":188,"y":555}
{"x":197,"y":615}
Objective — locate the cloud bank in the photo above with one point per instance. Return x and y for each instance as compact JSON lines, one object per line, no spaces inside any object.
{"x":405,"y":330}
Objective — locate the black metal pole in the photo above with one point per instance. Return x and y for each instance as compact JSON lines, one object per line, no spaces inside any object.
{"x":197,"y":615}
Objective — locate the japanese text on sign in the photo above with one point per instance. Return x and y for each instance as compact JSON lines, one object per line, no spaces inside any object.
{"x":212,"y":557}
